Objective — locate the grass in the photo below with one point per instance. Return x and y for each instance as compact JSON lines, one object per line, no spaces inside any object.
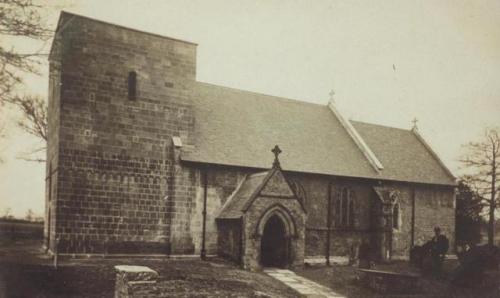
{"x":26,"y":272}
{"x":343,"y":280}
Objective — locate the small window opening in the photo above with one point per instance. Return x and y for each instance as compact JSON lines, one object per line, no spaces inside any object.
{"x":132,"y":85}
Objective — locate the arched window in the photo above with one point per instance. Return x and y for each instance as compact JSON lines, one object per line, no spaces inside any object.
{"x":344,"y":208}
{"x":336,"y":210}
{"x":395,"y":216}
{"x":351,"y":212}
{"x":132,"y":85}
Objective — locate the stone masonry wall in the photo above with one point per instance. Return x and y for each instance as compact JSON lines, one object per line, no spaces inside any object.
{"x":229,"y":239}
{"x":52,"y":160}
{"x":401,"y":237}
{"x":222,"y":181}
{"x":120,"y":188}
{"x":252,"y":245}
{"x":341,"y":239}
{"x":434,"y":206}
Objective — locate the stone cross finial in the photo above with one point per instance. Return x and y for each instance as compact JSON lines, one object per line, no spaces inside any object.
{"x":332,"y":96}
{"x":414,"y":121}
{"x":276,"y":150}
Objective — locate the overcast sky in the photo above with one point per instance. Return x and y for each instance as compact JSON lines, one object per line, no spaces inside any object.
{"x":388,"y":62}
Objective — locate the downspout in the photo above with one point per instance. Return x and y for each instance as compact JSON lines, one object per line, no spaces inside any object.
{"x":241,"y":240}
{"x":328,"y":224}
{"x":204,"y":214}
{"x":413,"y":217}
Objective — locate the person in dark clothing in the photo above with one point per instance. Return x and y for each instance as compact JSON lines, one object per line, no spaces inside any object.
{"x":439,"y":248}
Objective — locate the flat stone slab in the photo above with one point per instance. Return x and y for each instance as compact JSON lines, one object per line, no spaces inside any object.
{"x":302,"y":285}
{"x":136,"y":273}
{"x":391,"y":282}
{"x":321,"y":260}
{"x":390,"y":273}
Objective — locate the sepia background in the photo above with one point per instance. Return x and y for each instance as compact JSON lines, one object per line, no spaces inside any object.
{"x":388,"y":62}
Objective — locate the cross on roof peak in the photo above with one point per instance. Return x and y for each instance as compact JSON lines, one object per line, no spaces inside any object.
{"x":332,"y":95}
{"x":415,"y":121}
{"x":276,"y":150}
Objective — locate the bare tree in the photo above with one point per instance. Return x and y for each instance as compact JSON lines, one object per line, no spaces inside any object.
{"x":34,"y":120}
{"x":22,"y":19}
{"x":482,"y":159}
{"x":468,"y":215}
{"x":7,"y":213}
{"x":2,"y":136}
{"x":19,"y":19}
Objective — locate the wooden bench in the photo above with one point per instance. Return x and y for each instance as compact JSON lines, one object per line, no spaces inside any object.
{"x":390,"y":282}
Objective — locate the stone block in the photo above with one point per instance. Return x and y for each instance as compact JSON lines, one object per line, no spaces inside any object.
{"x":136,"y":273}
{"x":135,"y":282}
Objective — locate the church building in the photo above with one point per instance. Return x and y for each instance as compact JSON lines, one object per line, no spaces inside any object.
{"x":143,"y":159}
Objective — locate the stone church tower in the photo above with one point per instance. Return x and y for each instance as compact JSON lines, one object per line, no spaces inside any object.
{"x":117,"y":99}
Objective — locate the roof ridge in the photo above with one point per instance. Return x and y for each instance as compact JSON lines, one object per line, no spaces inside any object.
{"x":380,"y":125}
{"x":122,"y":27}
{"x":421,"y":140}
{"x":258,"y":174}
{"x":358,"y":139}
{"x":290,"y":100}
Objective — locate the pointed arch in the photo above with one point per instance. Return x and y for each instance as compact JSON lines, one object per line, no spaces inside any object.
{"x":283,"y":214}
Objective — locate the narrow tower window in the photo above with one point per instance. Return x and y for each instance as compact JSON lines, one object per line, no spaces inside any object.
{"x":132,"y":85}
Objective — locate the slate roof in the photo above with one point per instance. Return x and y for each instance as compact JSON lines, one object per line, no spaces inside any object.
{"x":242,"y":196}
{"x":253,"y":186}
{"x":404,"y":156}
{"x":239,"y":128}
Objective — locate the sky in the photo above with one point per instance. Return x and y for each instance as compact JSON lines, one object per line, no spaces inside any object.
{"x":387,"y":61}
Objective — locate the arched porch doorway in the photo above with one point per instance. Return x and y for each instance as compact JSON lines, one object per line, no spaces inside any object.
{"x":267,"y":219}
{"x":274,"y":244}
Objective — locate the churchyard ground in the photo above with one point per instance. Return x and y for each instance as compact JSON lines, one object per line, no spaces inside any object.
{"x":25,"y":271}
{"x":344,"y":280}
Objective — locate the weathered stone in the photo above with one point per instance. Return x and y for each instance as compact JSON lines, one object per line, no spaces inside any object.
{"x":136,"y":273}
{"x":135,"y":282}
{"x":390,"y":282}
